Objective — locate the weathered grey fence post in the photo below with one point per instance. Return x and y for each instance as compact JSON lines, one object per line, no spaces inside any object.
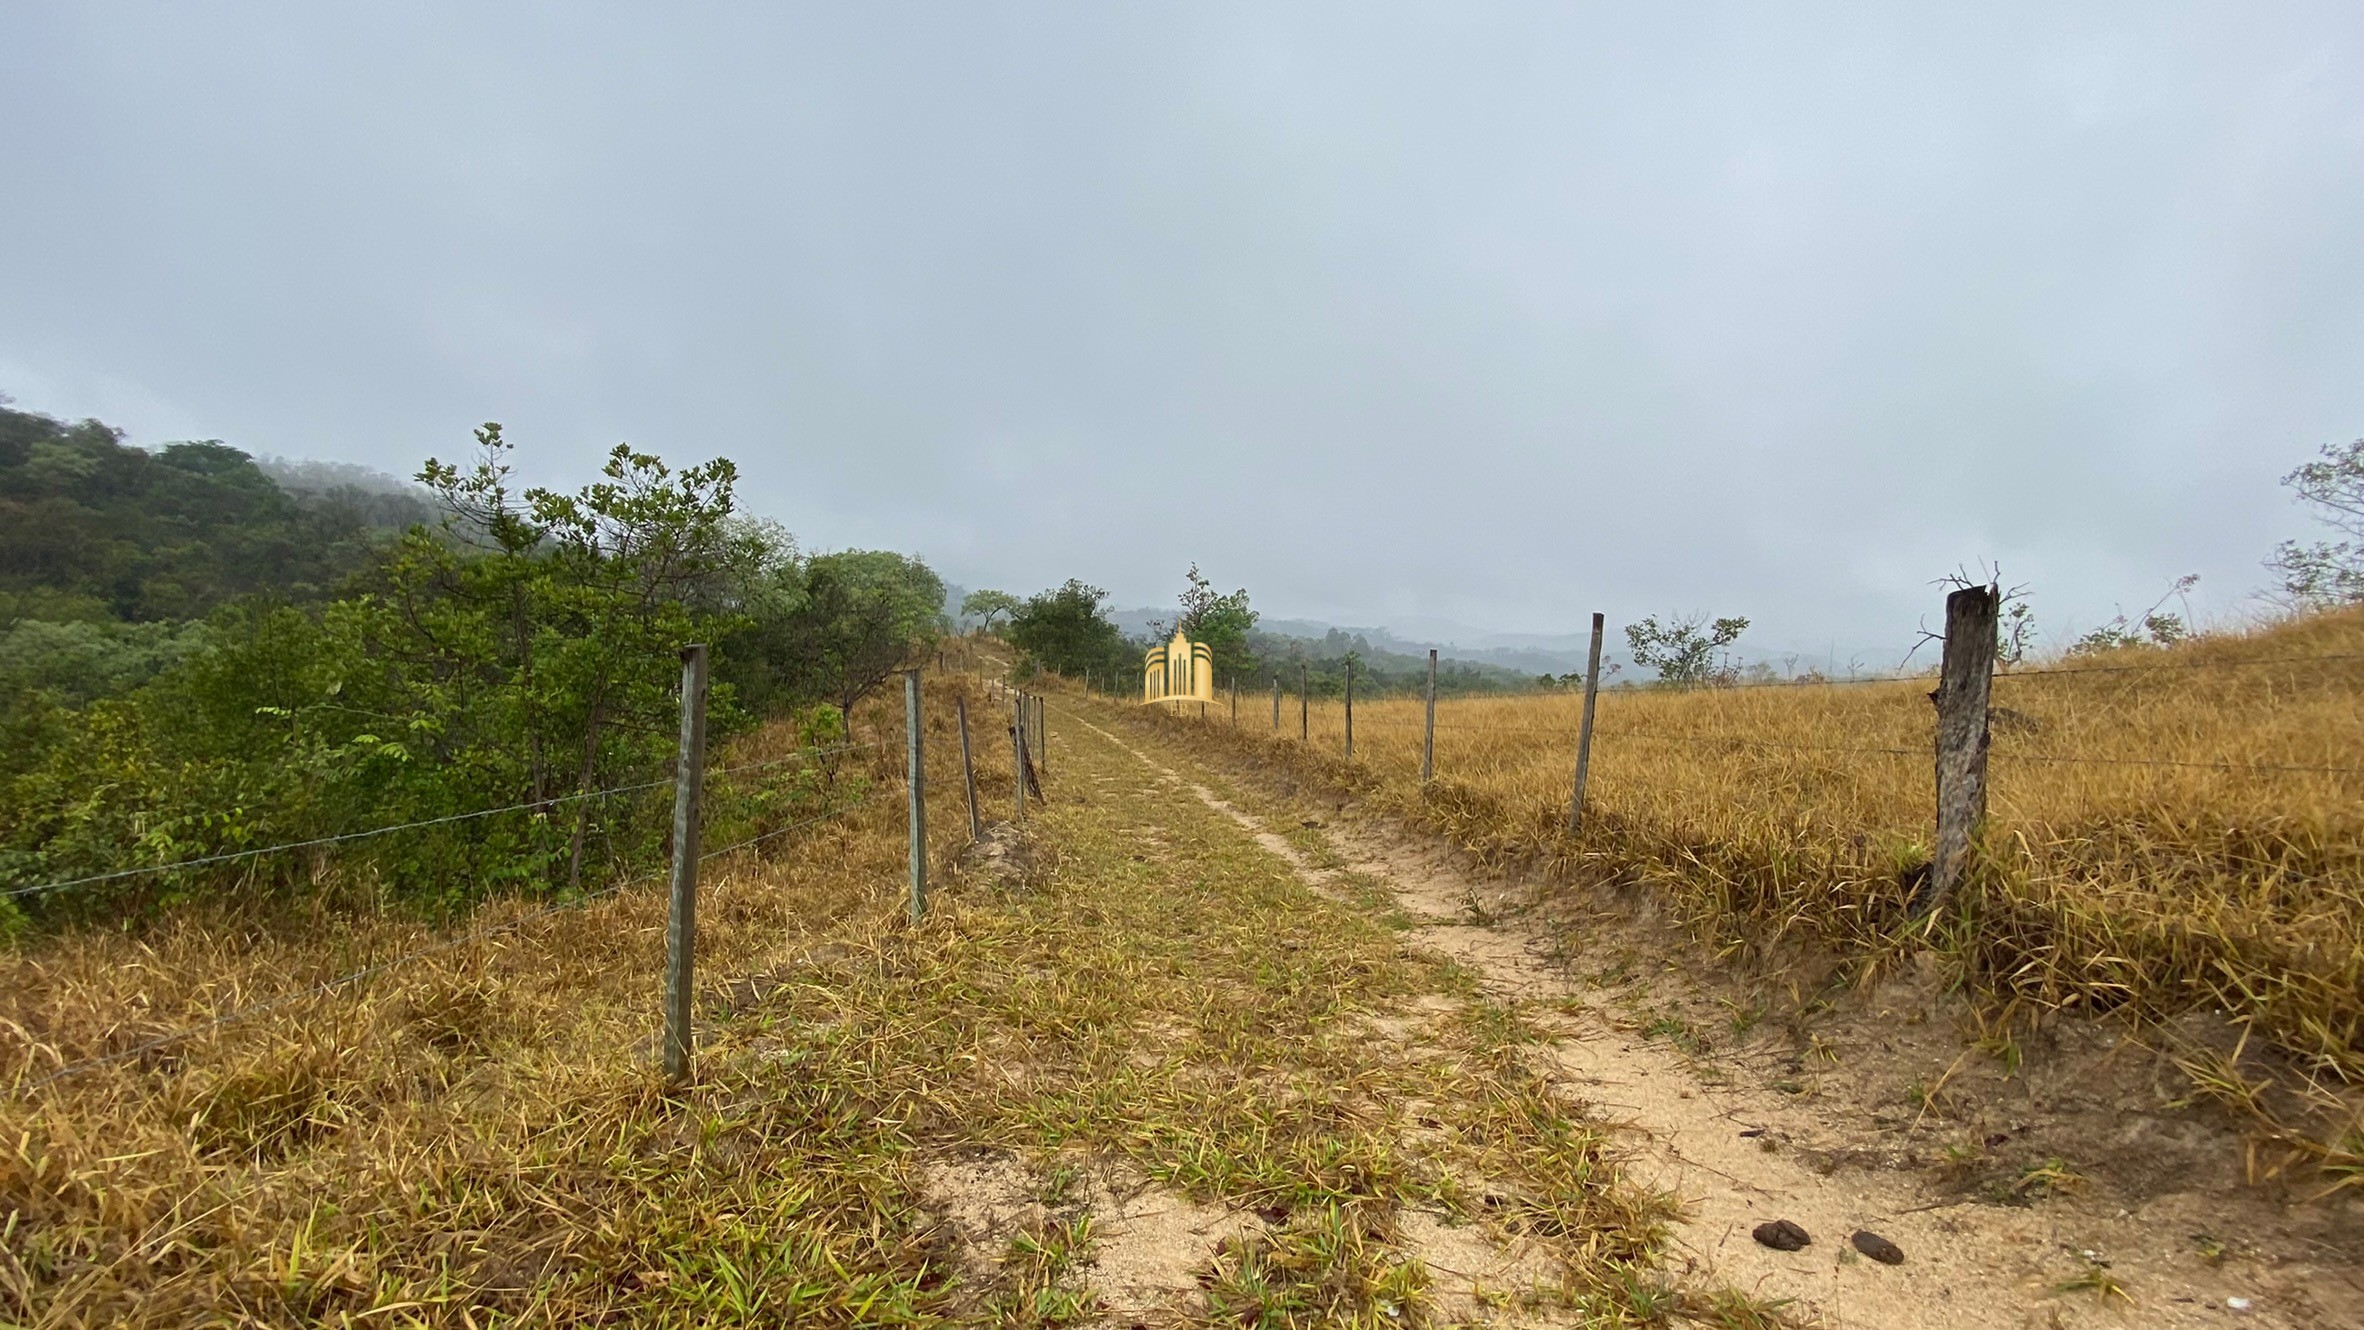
{"x":1304,"y":709}
{"x":1276,"y":701}
{"x":1965,"y":682}
{"x":919,"y":796}
{"x":681,"y":926}
{"x":1428,"y":727}
{"x":968,"y":769}
{"x":1350,"y":708}
{"x":1040,"y":709}
{"x":1592,"y":694}
{"x":1235,"y":704}
{"x":1018,"y":749}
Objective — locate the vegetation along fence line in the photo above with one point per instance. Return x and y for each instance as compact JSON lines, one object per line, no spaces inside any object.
{"x":1961,"y":749}
{"x":689,"y":780}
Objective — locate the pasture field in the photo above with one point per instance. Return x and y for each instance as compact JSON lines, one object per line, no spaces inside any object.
{"x":1124,"y":1072}
{"x":2169,"y":830}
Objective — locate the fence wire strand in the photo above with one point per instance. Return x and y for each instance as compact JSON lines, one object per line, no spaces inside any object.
{"x":446,"y":820}
{"x":327,"y":986}
{"x":2002,"y":752}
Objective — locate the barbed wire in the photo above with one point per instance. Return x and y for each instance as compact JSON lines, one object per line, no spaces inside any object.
{"x":1633,"y":686}
{"x":2066,"y":759}
{"x":806,"y":755}
{"x":531,"y":805}
{"x":327,"y":986}
{"x":2001,"y":751}
{"x":2071,"y":670}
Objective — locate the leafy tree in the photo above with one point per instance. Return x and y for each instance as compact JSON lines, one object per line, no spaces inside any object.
{"x":1066,"y":629}
{"x":1221,"y":621}
{"x":864,"y":615}
{"x":2323,"y":573}
{"x":524,"y":654}
{"x":1686,"y":650}
{"x":989,"y":605}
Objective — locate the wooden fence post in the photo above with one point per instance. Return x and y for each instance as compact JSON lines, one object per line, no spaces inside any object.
{"x":1428,"y":728}
{"x":1304,"y":709}
{"x":1018,"y":749}
{"x":1350,"y":708}
{"x":1040,"y":709}
{"x":681,"y":925}
{"x":917,"y":780}
{"x":968,"y":769}
{"x":1235,"y":704}
{"x":1592,"y":693}
{"x":1965,"y":683}
{"x":1276,"y":701}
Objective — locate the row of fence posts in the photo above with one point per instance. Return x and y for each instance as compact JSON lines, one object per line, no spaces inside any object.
{"x":1030,"y":760}
{"x":1964,"y":687}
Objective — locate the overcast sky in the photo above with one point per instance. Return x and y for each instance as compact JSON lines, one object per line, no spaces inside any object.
{"x":1490,"y":314}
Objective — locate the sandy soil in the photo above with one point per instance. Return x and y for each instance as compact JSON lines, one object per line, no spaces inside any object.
{"x":1753,"y":1135}
{"x":2062,"y":1190}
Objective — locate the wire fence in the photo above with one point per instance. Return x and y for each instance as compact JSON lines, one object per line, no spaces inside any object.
{"x":683,"y":869}
{"x":1742,"y":741}
{"x":2300,"y":726}
{"x":369,"y":833}
{"x":371,"y":971}
{"x":1326,"y":719}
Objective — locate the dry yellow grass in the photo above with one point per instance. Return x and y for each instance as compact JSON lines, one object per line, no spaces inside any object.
{"x":480,"y":1138}
{"x":2111,"y":877}
{"x":479,"y":1127}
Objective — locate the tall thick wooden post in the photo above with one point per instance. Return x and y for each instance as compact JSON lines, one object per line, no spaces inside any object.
{"x":1592,"y":694}
{"x":1428,"y":727}
{"x":917,"y":780}
{"x":1965,"y":683}
{"x":681,"y":925}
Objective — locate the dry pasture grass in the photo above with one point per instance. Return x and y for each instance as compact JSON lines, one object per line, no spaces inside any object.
{"x":479,"y":1138}
{"x":478,"y":1127}
{"x":2112,"y":877}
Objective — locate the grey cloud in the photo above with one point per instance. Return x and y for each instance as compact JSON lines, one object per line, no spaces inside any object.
{"x":1487,"y":314}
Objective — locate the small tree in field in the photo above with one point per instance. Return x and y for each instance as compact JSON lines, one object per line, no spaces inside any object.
{"x":1064,"y":629}
{"x":1688,"y":650}
{"x":1221,"y":621}
{"x":989,"y":605}
{"x":866,"y":614}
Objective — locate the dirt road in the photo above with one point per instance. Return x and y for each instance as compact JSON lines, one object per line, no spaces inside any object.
{"x":1736,"y":1121}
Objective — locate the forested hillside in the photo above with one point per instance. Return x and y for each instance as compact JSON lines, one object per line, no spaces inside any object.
{"x":196,"y":660}
{"x":92,"y":529}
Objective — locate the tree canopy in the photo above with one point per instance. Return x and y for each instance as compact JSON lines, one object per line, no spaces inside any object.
{"x":1223,"y":622}
{"x":1067,"y":630}
{"x":989,"y":605}
{"x":2327,"y":572}
{"x":93,"y":529}
{"x":519,"y":653}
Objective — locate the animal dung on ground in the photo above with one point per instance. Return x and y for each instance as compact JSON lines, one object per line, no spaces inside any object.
{"x":1782,"y":1235}
{"x":1878,"y":1248}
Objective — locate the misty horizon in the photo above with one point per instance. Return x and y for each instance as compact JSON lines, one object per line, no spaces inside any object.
{"x":1475,"y":321}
